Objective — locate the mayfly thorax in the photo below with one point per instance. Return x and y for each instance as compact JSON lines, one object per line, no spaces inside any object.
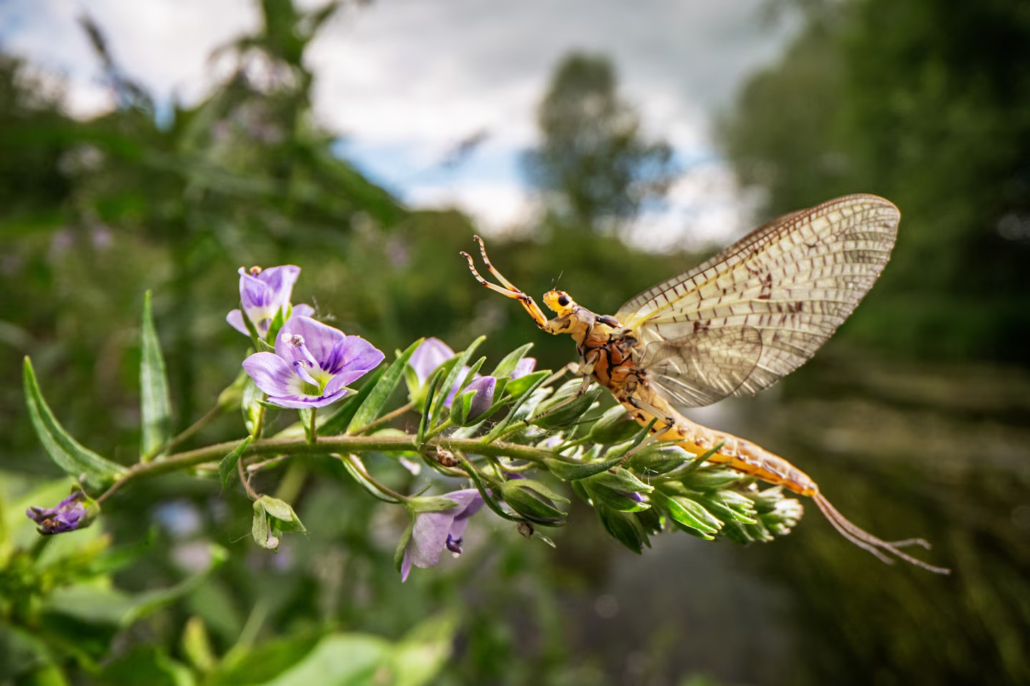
{"x":733,"y":326}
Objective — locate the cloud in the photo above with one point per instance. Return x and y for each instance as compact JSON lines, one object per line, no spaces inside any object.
{"x":406,"y":80}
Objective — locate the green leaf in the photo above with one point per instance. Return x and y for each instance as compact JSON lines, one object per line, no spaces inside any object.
{"x":524,"y":496}
{"x":614,"y":426}
{"x":196,"y":645}
{"x":105,"y":605}
{"x":570,"y":471}
{"x":380,"y":394}
{"x":617,"y":490}
{"x":423,"y":652}
{"x":508,"y":363}
{"x":251,"y":406}
{"x":567,"y":414}
{"x":277,"y":323}
{"x":729,"y":505}
{"x":712,"y":478}
{"x":266,"y":661}
{"x":282,"y":511}
{"x":227,"y":467}
{"x":451,"y":381}
{"x":146,"y":666}
{"x":691,"y":516}
{"x":486,"y":493}
{"x":471,"y":375}
{"x":526,"y":401}
{"x":68,"y":453}
{"x":308,"y":416}
{"x":339,"y":659}
{"x":155,"y":405}
{"x":520,"y":387}
{"x":623,"y":527}
{"x":402,"y":545}
{"x":659,"y":458}
{"x":338,"y":422}
{"x":356,"y":468}
{"x":424,"y":422}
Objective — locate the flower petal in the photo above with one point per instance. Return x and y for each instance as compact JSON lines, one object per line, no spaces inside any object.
{"x":457,"y":384}
{"x":254,"y":292}
{"x":235,"y":319}
{"x":484,"y":387}
{"x":270,"y":372}
{"x":280,"y":282}
{"x":300,"y":401}
{"x":524,"y":366}
{"x":302,"y":310}
{"x":352,"y":358}
{"x":431,"y":529}
{"x":318,"y":338}
{"x":427,"y":357}
{"x":406,"y":565}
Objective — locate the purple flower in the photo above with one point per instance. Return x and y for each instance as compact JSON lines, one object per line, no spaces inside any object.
{"x":312,"y":364}
{"x":433,"y":352}
{"x":483,"y":389}
{"x":75,"y":512}
{"x":427,"y":357}
{"x":434,"y":531}
{"x":525,"y":366}
{"x":263,"y":293}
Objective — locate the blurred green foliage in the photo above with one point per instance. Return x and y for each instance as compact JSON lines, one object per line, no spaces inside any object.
{"x":928,"y":104}
{"x":924,"y":102}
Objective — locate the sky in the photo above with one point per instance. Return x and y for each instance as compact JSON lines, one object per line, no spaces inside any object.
{"x":403,"y":82}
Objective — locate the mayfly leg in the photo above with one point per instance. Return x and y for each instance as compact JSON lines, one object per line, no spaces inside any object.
{"x":490,"y":266}
{"x":508,"y":290}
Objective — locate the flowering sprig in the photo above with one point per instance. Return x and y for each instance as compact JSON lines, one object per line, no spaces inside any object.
{"x":511,"y":440}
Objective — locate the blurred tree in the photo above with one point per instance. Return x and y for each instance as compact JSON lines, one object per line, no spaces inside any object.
{"x":593,"y":164}
{"x":927,"y":104}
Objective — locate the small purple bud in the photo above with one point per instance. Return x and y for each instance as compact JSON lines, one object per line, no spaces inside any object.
{"x":75,"y":512}
{"x":483,"y":387}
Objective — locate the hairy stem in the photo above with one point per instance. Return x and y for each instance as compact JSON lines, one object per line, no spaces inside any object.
{"x":329,"y":444}
{"x":388,"y":417}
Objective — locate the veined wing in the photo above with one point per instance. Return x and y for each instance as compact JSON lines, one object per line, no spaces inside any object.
{"x":793,"y":281}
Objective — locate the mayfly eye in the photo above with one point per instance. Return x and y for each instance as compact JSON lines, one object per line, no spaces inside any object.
{"x":563,"y":300}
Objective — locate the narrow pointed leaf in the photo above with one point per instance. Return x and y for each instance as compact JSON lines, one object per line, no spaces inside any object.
{"x":69,"y":454}
{"x":571,"y":471}
{"x":378,"y":396}
{"x":155,"y":405}
{"x":227,"y":467}
{"x":507,"y":365}
{"x":338,"y":422}
{"x":356,"y":469}
{"x":452,"y":380}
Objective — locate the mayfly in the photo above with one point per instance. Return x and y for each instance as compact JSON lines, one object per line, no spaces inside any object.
{"x":733,"y":326}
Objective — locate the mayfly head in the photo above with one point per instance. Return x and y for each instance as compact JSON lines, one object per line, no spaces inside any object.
{"x":559,"y":302}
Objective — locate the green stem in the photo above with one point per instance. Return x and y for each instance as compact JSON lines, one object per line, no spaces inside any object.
{"x":331,"y":444}
{"x":388,"y":417}
{"x":175,"y":441}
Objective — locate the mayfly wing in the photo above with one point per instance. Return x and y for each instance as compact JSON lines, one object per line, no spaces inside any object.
{"x":793,"y":281}
{"x":705,"y":367}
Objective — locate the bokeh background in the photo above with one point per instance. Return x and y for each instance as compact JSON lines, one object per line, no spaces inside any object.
{"x":162,"y":145}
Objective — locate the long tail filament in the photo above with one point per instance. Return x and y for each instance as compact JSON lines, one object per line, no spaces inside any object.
{"x":872,"y":544}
